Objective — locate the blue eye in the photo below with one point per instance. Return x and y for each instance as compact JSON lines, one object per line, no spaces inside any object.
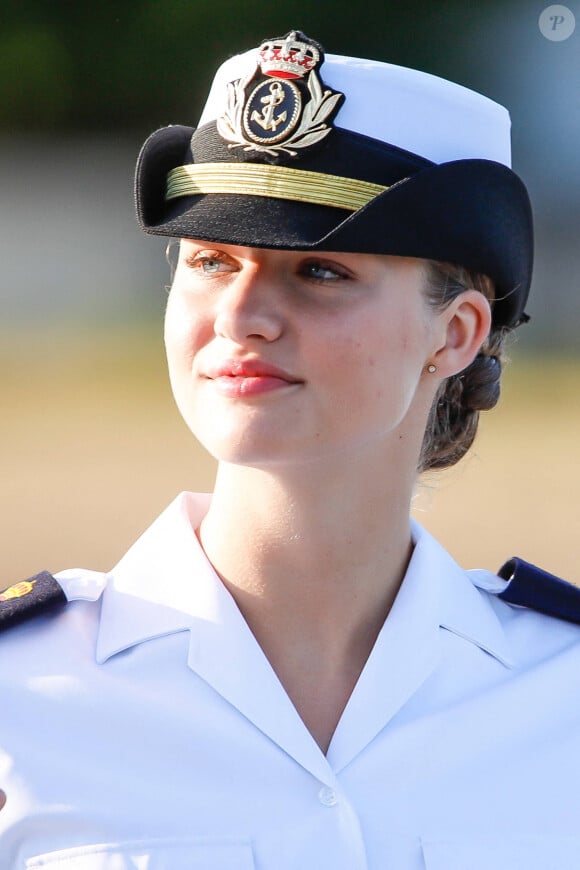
{"x":210,"y":266}
{"x":210,"y":263}
{"x":320,"y":271}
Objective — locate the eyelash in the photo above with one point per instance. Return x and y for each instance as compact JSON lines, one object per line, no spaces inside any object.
{"x":338,"y":273}
{"x":201,"y":259}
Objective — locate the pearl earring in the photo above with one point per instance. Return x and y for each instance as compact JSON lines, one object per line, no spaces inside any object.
{"x":431,"y":369}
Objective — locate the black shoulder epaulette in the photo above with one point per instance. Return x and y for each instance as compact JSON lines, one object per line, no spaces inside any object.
{"x":529,"y":586}
{"x":37,"y":595}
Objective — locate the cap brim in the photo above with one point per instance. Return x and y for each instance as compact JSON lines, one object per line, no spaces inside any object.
{"x":475,"y":213}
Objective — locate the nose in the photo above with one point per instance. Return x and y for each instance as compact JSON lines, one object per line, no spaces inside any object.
{"x":249,"y":308}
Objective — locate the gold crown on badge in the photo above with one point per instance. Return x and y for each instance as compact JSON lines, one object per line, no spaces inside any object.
{"x":287,"y":58}
{"x":280,"y":105}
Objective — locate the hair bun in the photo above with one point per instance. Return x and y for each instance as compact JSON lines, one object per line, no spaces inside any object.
{"x":481,"y":383}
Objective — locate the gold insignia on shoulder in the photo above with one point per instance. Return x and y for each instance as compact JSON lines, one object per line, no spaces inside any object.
{"x":19,"y":590}
{"x":280,"y":104}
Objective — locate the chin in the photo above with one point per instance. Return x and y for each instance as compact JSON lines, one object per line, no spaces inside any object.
{"x":240,"y":445}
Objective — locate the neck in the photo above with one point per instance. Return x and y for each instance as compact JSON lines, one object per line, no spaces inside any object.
{"x":330,"y":545}
{"x":314,"y":561}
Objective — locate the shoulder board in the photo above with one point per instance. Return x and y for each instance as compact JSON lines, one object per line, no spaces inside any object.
{"x":37,"y":595}
{"x":529,"y":586}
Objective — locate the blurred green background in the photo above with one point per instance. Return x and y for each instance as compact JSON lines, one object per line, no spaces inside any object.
{"x":92,"y":447}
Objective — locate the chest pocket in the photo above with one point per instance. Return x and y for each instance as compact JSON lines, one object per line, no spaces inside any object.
{"x":196,"y":854}
{"x":501,"y":853}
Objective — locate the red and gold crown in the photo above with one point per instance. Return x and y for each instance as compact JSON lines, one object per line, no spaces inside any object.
{"x":288,"y":57}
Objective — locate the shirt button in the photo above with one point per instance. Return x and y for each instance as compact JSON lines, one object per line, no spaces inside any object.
{"x":327,"y":796}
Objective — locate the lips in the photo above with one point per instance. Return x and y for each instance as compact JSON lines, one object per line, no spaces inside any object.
{"x":249,"y":369}
{"x":236,"y":378}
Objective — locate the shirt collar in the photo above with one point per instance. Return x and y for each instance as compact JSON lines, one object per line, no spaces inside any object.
{"x":462,"y":608}
{"x":165,"y":584}
{"x":162,"y":584}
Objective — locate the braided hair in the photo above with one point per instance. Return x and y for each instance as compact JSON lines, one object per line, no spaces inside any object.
{"x":454,"y":415}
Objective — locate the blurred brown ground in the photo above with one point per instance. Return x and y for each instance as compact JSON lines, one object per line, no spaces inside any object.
{"x":93,"y":449}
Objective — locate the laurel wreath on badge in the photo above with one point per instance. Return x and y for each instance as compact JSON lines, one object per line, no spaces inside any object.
{"x":312,"y":127}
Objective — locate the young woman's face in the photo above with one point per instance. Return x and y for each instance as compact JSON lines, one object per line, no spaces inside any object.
{"x":283,"y":356}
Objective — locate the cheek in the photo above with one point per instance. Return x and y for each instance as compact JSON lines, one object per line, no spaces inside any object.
{"x":184,"y":333}
{"x":379,"y":366}
{"x":182,"y":324}
{"x":374,"y":348}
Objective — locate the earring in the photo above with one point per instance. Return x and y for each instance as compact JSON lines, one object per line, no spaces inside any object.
{"x":431,"y":369}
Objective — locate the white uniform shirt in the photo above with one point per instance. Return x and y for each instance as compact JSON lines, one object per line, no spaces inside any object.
{"x":147,"y":730}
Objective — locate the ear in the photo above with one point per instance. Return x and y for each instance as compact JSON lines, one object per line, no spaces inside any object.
{"x":467,"y":324}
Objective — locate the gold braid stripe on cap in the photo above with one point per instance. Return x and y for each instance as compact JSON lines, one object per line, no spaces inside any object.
{"x":279,"y":182}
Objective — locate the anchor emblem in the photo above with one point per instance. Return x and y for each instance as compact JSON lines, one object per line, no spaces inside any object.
{"x":271,"y":111}
{"x":280,"y":106}
{"x":267,"y":120}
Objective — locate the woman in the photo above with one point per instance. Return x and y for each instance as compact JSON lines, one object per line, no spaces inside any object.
{"x":291,"y":674}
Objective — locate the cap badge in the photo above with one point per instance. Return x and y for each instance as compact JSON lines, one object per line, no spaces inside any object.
{"x":280,"y":104}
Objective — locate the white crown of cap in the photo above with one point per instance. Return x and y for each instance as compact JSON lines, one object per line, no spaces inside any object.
{"x":416,"y":111}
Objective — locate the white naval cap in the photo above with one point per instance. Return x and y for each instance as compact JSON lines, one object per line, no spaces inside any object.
{"x":418,"y":112}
